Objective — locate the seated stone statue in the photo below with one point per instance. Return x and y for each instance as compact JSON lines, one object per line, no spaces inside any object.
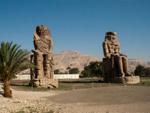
{"x":115,"y":63}
{"x":42,"y":57}
{"x":43,"y":52}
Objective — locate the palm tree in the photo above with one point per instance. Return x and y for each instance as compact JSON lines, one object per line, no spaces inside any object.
{"x":12,"y":61}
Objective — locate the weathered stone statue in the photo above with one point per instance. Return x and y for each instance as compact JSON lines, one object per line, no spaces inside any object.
{"x":115,"y":63}
{"x":42,"y":57}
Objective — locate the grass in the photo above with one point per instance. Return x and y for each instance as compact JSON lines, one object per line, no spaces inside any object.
{"x":66,"y":86}
{"x":71,"y":85}
{"x":145,"y":81}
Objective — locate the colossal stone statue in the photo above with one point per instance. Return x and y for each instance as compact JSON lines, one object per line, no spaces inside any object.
{"x":42,"y":57}
{"x":43,"y":52}
{"x":111,"y":48}
{"x":115,"y":64}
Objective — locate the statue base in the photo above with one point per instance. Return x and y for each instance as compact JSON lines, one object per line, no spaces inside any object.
{"x":127,"y":80}
{"x":132,"y":79}
{"x":44,"y":83}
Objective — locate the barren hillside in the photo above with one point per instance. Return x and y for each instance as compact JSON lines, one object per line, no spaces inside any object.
{"x":72,"y":59}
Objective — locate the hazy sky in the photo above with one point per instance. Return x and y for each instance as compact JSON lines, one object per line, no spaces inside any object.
{"x":79,"y":24}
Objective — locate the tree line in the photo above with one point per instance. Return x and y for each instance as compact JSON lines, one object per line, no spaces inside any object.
{"x":95,"y":69}
{"x":142,"y":71}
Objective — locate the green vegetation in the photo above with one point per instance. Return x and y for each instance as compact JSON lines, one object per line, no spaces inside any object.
{"x":142,"y":71}
{"x":57,"y":71}
{"x":145,"y":81}
{"x":12,"y":61}
{"x":74,"y":71}
{"x":69,"y":70}
{"x":82,"y":84}
{"x":94,"y":69}
{"x":72,"y":86}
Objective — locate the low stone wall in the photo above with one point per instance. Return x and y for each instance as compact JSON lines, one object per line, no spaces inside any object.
{"x":66,"y":76}
{"x":56,"y":76}
{"x":23,"y":77}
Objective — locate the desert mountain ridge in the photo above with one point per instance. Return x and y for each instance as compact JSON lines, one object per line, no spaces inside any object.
{"x":72,"y":59}
{"x":75,"y":59}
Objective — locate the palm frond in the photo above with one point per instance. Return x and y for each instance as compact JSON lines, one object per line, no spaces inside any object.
{"x":12,"y":60}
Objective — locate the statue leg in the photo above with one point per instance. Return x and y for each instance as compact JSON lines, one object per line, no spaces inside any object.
{"x":125,"y":64}
{"x":46,"y":65}
{"x":31,"y":69}
{"x":51,"y":70}
{"x":39,"y":66}
{"x":120,"y":66}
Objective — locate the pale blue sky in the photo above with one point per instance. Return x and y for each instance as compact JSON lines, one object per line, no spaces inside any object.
{"x":79,"y":24}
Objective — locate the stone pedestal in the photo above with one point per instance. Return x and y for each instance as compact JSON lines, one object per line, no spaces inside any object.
{"x":127,"y":80}
{"x":132,"y":79}
{"x":45,"y":83}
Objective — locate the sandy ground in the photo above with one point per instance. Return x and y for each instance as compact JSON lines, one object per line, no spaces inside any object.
{"x":113,"y":99}
{"x":116,"y":99}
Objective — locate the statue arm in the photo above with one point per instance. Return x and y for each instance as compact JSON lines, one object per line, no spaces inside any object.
{"x":117,"y":46}
{"x":106,"y":50}
{"x":118,"y":50}
{"x":51,"y":45}
{"x":36,"y":39}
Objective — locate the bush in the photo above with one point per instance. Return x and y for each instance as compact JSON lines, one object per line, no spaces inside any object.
{"x":57,"y":71}
{"x":147,"y":71}
{"x":142,"y":71}
{"x":74,"y":71}
{"x":139,"y":70}
{"x":94,"y":69}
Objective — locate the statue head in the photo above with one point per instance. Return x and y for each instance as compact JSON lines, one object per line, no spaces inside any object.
{"x":42,"y":39}
{"x":111,"y":33}
{"x":111,"y":36}
{"x":42,"y":30}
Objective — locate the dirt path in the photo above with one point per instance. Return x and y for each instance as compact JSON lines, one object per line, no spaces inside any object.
{"x":105,"y":95}
{"x":113,"y":99}
{"x":118,"y":99}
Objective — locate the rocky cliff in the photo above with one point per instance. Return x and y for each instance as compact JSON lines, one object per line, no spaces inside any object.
{"x":72,"y":59}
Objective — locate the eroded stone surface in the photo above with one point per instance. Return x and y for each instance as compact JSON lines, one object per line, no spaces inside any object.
{"x":42,"y":58}
{"x":132,"y":79}
{"x":114,"y":62}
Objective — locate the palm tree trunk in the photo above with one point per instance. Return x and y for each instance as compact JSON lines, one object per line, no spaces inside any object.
{"x":7,"y":90}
